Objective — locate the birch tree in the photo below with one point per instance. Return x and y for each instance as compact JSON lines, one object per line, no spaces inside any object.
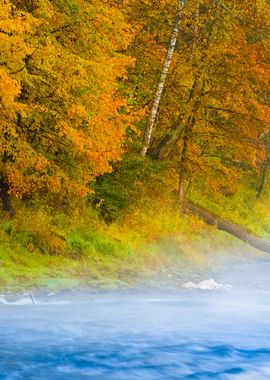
{"x":162,"y":80}
{"x":212,"y":114}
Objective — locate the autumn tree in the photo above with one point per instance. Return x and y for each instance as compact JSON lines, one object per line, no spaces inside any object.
{"x":61,"y":124}
{"x":211,"y":115}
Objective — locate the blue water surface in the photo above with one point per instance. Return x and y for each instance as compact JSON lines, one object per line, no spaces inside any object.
{"x":184,"y":335}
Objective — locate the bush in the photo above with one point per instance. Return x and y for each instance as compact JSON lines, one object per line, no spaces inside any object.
{"x":117,"y":194}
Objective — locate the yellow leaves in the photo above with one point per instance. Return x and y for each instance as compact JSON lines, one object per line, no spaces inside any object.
{"x":15,"y":28}
{"x":194,"y":150}
{"x":110,"y":19}
{"x":262,"y":6}
{"x":5,"y":9}
{"x":262,"y":112}
{"x":17,"y":184}
{"x":9,"y":89}
{"x":54,"y":183}
{"x":77,"y":138}
{"x":41,"y":163}
{"x":76,"y":110}
{"x":19,"y":26}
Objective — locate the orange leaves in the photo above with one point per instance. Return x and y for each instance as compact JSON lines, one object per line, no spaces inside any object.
{"x":67,"y":105}
{"x":58,"y":82}
{"x":215,"y":107}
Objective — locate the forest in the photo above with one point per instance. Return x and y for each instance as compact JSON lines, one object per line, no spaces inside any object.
{"x":132,"y":132}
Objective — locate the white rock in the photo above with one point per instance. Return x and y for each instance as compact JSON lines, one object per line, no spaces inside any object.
{"x":22,"y":301}
{"x":209,"y":285}
{"x":190,"y":285}
{"x":206,"y":285}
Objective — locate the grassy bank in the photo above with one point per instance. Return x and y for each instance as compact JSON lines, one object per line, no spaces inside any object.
{"x":44,"y":248}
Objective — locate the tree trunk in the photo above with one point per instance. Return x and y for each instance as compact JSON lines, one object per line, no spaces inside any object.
{"x":160,"y":87}
{"x":181,"y":194}
{"x":263,"y":179}
{"x":5,"y":197}
{"x":232,"y":228}
{"x":167,"y":144}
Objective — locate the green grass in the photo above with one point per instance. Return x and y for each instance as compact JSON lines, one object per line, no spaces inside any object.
{"x":45,"y":248}
{"x":241,"y":207}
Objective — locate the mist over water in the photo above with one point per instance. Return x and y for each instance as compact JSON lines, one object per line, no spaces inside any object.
{"x":144,"y":334}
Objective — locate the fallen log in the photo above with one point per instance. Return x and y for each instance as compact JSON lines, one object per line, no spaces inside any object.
{"x":234,"y":229}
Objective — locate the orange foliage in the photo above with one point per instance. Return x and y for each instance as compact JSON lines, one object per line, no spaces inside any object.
{"x":60,"y":124}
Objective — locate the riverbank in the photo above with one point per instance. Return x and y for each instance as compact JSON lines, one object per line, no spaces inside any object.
{"x":162,"y":266}
{"x":41,"y":247}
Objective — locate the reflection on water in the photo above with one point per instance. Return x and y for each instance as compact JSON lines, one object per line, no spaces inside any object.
{"x":182,"y":335}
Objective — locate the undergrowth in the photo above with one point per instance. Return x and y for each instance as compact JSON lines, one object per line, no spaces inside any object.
{"x":113,"y":241}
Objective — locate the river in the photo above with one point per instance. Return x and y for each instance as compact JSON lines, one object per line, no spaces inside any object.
{"x":143,"y":334}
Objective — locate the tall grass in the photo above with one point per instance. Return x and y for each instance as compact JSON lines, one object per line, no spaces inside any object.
{"x":49,"y":248}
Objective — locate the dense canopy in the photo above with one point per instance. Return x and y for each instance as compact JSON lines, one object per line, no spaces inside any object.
{"x":82,"y":83}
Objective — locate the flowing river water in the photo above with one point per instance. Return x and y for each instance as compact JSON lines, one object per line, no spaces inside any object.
{"x":143,"y":334}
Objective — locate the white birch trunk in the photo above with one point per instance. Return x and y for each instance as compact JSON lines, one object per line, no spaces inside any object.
{"x":160,"y":87}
